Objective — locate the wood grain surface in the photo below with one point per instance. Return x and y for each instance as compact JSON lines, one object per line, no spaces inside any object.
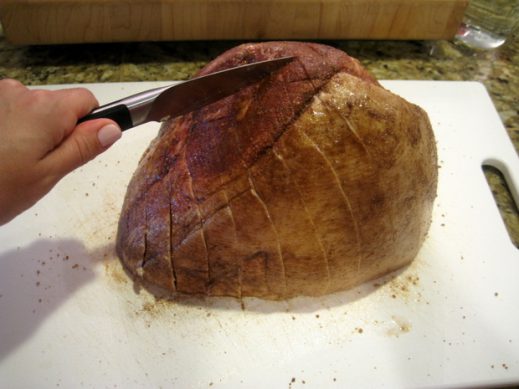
{"x":80,"y":21}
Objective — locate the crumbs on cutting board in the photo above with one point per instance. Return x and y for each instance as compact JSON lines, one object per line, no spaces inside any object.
{"x":398,"y":326}
{"x":45,"y":275}
{"x":503,"y":365}
{"x":402,"y":286}
{"x":114,"y":271}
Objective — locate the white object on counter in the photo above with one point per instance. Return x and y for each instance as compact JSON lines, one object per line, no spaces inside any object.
{"x":70,"y":317}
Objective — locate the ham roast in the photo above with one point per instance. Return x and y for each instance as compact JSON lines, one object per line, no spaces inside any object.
{"x":312,"y":181}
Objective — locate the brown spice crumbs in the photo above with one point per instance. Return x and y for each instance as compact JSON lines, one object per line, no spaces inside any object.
{"x":443,"y":224}
{"x":38,"y":283}
{"x":492,"y":366}
{"x":334,"y":379}
{"x":496,"y":294}
{"x":242,"y":305}
{"x":75,"y":266}
{"x":393,"y":296}
{"x":317,"y":316}
{"x":505,"y":366}
{"x":293,"y":317}
{"x":149,"y":307}
{"x":293,"y":379}
{"x":413,"y":279}
{"x":66,"y":258}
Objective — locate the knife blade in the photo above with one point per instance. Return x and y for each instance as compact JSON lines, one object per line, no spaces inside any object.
{"x":162,"y":103}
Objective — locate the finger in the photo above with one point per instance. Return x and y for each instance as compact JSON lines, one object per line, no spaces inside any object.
{"x":9,"y":90}
{"x":8,"y":84}
{"x":77,"y":101}
{"x":65,"y":107}
{"x":84,"y":143}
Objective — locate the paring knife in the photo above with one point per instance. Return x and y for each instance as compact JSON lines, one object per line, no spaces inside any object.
{"x":162,"y":103}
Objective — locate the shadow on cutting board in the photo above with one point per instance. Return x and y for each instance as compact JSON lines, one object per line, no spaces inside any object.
{"x":36,"y":280}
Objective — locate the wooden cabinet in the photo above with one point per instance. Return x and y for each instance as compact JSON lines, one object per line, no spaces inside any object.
{"x":78,"y":21}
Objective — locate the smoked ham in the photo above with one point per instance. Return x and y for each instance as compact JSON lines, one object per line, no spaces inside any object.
{"x":312,"y":181}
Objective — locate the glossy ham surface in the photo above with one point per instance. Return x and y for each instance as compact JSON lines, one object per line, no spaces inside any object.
{"x":312,"y":181}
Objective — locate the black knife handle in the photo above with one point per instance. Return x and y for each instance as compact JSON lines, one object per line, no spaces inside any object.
{"x":118,"y":113}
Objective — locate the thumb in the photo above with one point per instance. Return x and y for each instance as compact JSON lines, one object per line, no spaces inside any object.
{"x":84,"y":143}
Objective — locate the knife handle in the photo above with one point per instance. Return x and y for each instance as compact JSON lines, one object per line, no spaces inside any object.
{"x":117,"y":112}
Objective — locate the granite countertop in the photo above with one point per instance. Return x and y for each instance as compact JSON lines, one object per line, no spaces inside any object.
{"x":498,"y":70}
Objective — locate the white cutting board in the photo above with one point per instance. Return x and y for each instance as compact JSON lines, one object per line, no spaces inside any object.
{"x":69,"y":317}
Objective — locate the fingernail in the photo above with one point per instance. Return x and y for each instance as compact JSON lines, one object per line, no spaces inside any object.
{"x":108,"y":134}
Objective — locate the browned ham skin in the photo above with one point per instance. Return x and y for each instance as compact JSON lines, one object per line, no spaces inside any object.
{"x":312,"y":181}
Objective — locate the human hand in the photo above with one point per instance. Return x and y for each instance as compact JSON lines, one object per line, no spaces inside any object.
{"x":40,"y":141}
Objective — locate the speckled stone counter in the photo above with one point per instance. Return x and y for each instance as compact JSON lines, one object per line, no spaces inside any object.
{"x":498,"y":70}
